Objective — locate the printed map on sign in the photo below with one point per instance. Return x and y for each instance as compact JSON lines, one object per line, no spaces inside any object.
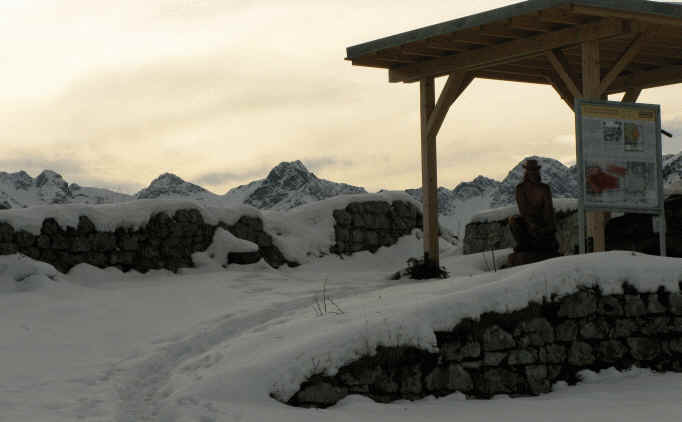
{"x":620,"y":154}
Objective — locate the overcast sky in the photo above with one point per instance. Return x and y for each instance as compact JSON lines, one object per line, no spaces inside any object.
{"x":115,"y":93}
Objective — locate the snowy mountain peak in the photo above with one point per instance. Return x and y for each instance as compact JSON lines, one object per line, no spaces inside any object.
{"x":167,"y":185}
{"x":290,"y":184}
{"x":476,"y":187}
{"x":53,"y":178}
{"x":19,"y":180}
{"x":290,"y":175}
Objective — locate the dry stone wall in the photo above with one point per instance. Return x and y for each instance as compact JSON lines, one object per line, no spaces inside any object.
{"x":520,"y":353}
{"x":366,"y":226}
{"x":165,"y":242}
{"x":632,"y":232}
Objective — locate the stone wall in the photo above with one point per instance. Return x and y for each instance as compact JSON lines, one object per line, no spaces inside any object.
{"x":481,"y":237}
{"x":520,"y":353}
{"x":632,"y":232}
{"x":366,"y":226}
{"x":165,"y":242}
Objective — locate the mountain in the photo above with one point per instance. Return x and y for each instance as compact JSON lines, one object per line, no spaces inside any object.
{"x":288,"y":185}
{"x":19,"y":190}
{"x":170,"y":186}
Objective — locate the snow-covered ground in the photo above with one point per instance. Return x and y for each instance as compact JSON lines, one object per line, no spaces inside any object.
{"x":213,"y":344}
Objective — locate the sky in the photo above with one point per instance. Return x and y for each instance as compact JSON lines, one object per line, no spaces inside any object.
{"x":112,"y":94}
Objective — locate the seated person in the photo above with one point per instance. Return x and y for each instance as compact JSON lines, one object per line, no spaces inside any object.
{"x":534,"y":230}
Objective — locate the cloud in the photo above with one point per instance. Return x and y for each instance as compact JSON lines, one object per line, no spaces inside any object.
{"x":219,"y":178}
{"x":321,"y":163}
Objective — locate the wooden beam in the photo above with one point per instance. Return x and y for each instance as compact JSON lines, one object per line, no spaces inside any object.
{"x":511,"y":77}
{"x":596,"y":221}
{"x":591,"y":70}
{"x":648,"y":79}
{"x":565,"y":71}
{"x":631,"y":95}
{"x":454,"y":87}
{"x":530,"y":23}
{"x":509,"y":51}
{"x":427,"y":96}
{"x":561,"y":89}
{"x":608,"y":13}
{"x":623,"y":62}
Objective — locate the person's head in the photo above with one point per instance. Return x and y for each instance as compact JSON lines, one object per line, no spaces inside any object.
{"x":532,"y":171}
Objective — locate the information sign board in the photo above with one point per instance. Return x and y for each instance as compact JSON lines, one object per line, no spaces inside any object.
{"x":619,"y":159}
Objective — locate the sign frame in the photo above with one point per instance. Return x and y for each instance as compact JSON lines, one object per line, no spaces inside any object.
{"x":658,"y":210}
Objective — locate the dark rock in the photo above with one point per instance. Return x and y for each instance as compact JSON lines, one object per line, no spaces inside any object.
{"x":105,"y":241}
{"x":643,"y":348}
{"x":6,"y":233}
{"x":342,"y":217}
{"x":456,"y":351}
{"x":60,"y":242}
{"x":500,"y":381}
{"x":494,"y":358}
{"x":243,"y":258}
{"x":411,"y":381}
{"x":656,"y":326}
{"x":85,"y":226}
{"x":578,"y":305}
{"x":610,"y":306}
{"x":451,"y":378}
{"x":43,"y":241}
{"x":8,"y":248}
{"x":676,"y":345}
{"x":522,"y":357}
{"x":50,"y":226}
{"x":341,"y":234}
{"x":676,"y":304}
{"x":24,"y":239}
{"x":611,"y":350}
{"x":495,"y":338}
{"x":595,"y":330}
{"x":654,"y":305}
{"x":624,"y":328}
{"x":537,"y":379}
{"x":634,"y":306}
{"x":580,"y":354}
{"x":567,"y":331}
{"x":321,"y":394}
{"x":538,"y":330}
{"x":555,"y":353}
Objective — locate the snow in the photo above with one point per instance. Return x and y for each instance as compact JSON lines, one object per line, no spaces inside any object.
{"x":497,"y":214}
{"x":214,"y":343}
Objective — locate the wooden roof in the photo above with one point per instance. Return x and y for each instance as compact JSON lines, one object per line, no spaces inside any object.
{"x":640,"y":44}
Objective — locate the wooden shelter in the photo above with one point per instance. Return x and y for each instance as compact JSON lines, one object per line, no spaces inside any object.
{"x":583,"y":49}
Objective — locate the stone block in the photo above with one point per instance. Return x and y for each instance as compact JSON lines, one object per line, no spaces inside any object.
{"x":610,"y":306}
{"x":50,"y":226}
{"x":655,"y":326}
{"x":85,"y":226}
{"x":321,"y":394}
{"x":522,"y":357}
{"x":555,"y":353}
{"x":458,"y":351}
{"x":372,"y":239}
{"x":341,"y":234}
{"x":580,"y":354}
{"x":43,"y":241}
{"x":538,"y":331}
{"x":567,"y":331}
{"x":494,"y":358}
{"x":411,"y":381}
{"x":358,"y":220}
{"x":634,"y":306}
{"x":611,"y":350}
{"x":342,"y":218}
{"x":538,"y":380}
{"x":243,"y":258}
{"x":501,"y":381}
{"x":357,"y":236}
{"x":578,"y":305}
{"x":676,"y":304}
{"x":24,"y":239}
{"x":8,"y":248}
{"x":495,"y":338}
{"x":595,"y":330}
{"x":654,"y":305}
{"x":6,"y":233}
{"x":129,"y":242}
{"x":624,"y":328}
{"x":643,"y":348}
{"x":676,"y":345}
{"x":60,"y":242}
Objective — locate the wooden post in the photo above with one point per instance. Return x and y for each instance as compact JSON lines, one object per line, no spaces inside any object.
{"x":427,"y":93}
{"x":591,"y":64}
